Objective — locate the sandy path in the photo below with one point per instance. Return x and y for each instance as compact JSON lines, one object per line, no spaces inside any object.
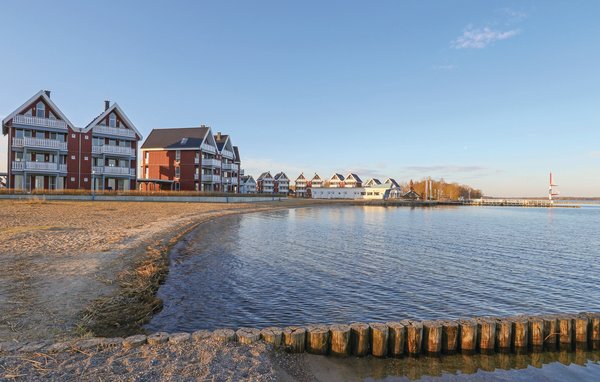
{"x":56,"y":257}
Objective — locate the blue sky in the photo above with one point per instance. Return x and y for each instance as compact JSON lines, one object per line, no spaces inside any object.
{"x":490,"y":93}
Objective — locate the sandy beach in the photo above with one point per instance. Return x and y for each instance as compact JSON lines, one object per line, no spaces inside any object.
{"x":58,"y":257}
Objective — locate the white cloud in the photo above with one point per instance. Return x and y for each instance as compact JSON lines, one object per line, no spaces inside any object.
{"x":477,"y":38}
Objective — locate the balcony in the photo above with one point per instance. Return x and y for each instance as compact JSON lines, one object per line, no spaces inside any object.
{"x":196,"y":176}
{"x":227,"y":154}
{"x":40,"y":143}
{"x":113,"y":170}
{"x":115,"y":150}
{"x":39,"y":166}
{"x":211,"y":162}
{"x":208,"y":148}
{"x":209,"y":178}
{"x":229,"y":166}
{"x":196,"y":160}
{"x":120,"y":132}
{"x":42,"y":122}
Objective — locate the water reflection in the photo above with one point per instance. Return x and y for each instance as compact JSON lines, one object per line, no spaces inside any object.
{"x":548,"y":366}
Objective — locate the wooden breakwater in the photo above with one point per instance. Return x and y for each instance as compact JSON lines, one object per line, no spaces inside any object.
{"x":469,"y":336}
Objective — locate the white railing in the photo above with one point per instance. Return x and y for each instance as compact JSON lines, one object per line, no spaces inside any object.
{"x":62,"y":168}
{"x":227,"y":154}
{"x":38,"y":166}
{"x":113,"y":170}
{"x":114,"y":131}
{"x":211,"y":162}
{"x":228,"y":166}
{"x":196,"y":176}
{"x":211,"y":178}
{"x":208,"y":148}
{"x":118,"y":150}
{"x":234,"y":181}
{"x":36,"y":121}
{"x":39,"y":143}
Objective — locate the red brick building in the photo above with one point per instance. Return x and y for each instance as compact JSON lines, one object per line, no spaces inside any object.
{"x":47,"y":151}
{"x":189,"y":159}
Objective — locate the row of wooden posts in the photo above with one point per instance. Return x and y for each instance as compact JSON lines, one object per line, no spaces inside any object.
{"x":413,"y":338}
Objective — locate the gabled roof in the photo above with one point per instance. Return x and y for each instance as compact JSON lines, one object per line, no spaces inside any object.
{"x":247,"y":178}
{"x":301,"y":177}
{"x":41,"y":94}
{"x":373,"y":182}
{"x":265,"y":175}
{"x":392,"y":181}
{"x":236,"y":153}
{"x":337,"y":176}
{"x":354,"y":176}
{"x":116,"y":108}
{"x":281,"y":176}
{"x":316,"y":177}
{"x":173,"y":138}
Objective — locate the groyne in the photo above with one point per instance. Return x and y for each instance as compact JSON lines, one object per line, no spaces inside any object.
{"x":469,"y":336}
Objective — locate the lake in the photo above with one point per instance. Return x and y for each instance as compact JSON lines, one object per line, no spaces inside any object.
{"x":351,"y":263}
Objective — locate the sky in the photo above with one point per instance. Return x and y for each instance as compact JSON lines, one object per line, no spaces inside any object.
{"x":494,"y":94}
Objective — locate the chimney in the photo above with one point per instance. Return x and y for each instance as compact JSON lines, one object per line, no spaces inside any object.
{"x":47,"y":93}
{"x":202,"y":125}
{"x":106,"y":105}
{"x":219,"y":136}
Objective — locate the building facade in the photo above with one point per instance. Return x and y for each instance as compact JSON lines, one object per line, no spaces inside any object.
{"x":265,"y":184}
{"x":47,"y":151}
{"x":281,"y":183}
{"x":189,"y":159}
{"x":247,"y":185}
{"x":300,"y":186}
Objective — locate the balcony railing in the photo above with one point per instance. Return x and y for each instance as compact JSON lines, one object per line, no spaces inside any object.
{"x":114,"y":131}
{"x":208,"y":148}
{"x":38,"y":166}
{"x":40,"y":143}
{"x":113,"y":170}
{"x":42,"y":122}
{"x":229,"y":166}
{"x":196,"y":176}
{"x":209,"y":178}
{"x":116,"y":150}
{"x":227,"y":154}
{"x":211,"y":162}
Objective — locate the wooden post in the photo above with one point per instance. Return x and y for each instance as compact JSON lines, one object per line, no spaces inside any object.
{"x":272,"y":335}
{"x":294,"y":338}
{"x":340,"y":340}
{"x":594,"y":332}
{"x":247,"y":335}
{"x":486,"y":328}
{"x":449,"y":337}
{"x":397,"y":338}
{"x":468,"y":336}
{"x":551,"y":331}
{"x":565,"y":332}
{"x":536,"y":333}
{"x":504,"y":334}
{"x":432,"y":337}
{"x":360,"y":339}
{"x":379,"y":339}
{"x":580,"y":324}
{"x":414,"y":337}
{"x":224,"y":335}
{"x":317,"y":339}
{"x":520,"y":334}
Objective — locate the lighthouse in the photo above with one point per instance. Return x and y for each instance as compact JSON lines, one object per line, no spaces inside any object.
{"x":551,"y":192}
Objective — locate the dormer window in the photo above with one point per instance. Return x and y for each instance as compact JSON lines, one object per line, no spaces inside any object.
{"x":112,"y":120}
{"x":184,"y":141}
{"x":40,"y":110}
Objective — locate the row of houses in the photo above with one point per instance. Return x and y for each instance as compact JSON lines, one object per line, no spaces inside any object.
{"x":47,"y":151}
{"x":335,"y":187}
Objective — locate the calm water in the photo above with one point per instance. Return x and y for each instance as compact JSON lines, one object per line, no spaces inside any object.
{"x":344,"y":264}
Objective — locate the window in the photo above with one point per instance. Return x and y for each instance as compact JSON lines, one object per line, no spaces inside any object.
{"x":40,"y":110}
{"x":18,"y":182}
{"x":147,"y":156}
{"x":60,"y":182}
{"x":27,"y":133}
{"x":112,"y":120}
{"x":72,"y":135}
{"x":97,"y":141}
{"x":177,"y":172}
{"x":72,"y":179}
{"x":112,"y":162}
{"x":86,"y":137}
{"x":18,"y":156}
{"x":85,"y":158}
{"x":177,"y":155}
{"x":147,"y":173}
{"x":52,"y":182}
{"x":18,"y":133}
{"x":72,"y":157}
{"x":85,"y":179}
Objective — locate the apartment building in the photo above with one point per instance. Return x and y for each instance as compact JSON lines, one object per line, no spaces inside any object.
{"x":47,"y":151}
{"x":353,"y":181}
{"x":230,"y":163}
{"x":247,"y":185}
{"x":265,"y":183}
{"x":281,"y":183}
{"x":336,"y":181}
{"x":300,"y":185}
